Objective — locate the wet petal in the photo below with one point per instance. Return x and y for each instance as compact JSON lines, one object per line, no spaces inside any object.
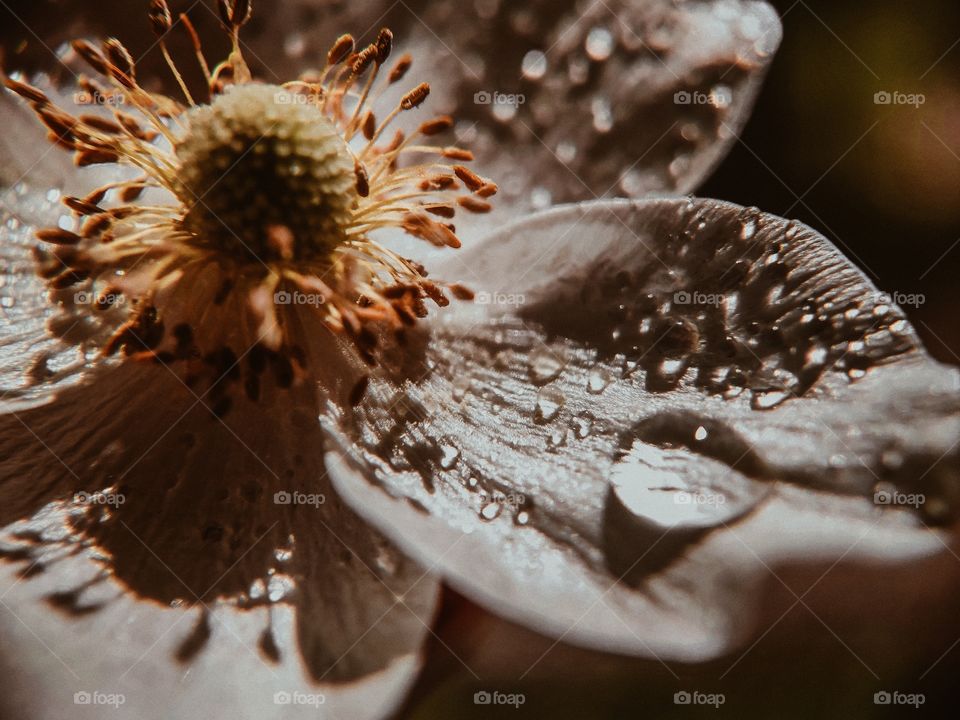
{"x":184,"y":561}
{"x":570,"y":101}
{"x":650,"y":408}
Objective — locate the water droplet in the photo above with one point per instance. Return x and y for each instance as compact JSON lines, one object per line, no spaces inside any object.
{"x":768,"y":399}
{"x":856,"y":373}
{"x":258,"y":589}
{"x":522,"y":518}
{"x":599,"y":44}
{"x":602,"y":114}
{"x":279,"y":587}
{"x":473,"y":482}
{"x":582,"y":426}
{"x":534,"y":65}
{"x":700,"y":434}
{"x":283,"y":554}
{"x":545,"y":365}
{"x":566,"y":152}
{"x":558,"y":438}
{"x":450,"y":456}
{"x":504,"y":111}
{"x":295,"y":45}
{"x":490,"y":511}
{"x":549,"y":404}
{"x":541,"y":198}
{"x":598,"y":380}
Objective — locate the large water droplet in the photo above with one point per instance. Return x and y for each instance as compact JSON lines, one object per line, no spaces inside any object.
{"x":545,"y":365}
{"x":534,"y":65}
{"x":598,"y":380}
{"x":449,"y":457}
{"x":549,"y":404}
{"x":599,"y":44}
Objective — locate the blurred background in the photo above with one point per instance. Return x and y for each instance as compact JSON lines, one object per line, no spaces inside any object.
{"x":881,"y":180}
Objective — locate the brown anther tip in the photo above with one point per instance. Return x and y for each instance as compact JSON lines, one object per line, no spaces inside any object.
{"x":131,"y":193}
{"x":101,"y":124}
{"x":474,"y":205}
{"x":121,"y":66}
{"x":415,"y":97}
{"x":342,"y":48}
{"x":436,"y":126}
{"x":91,"y":55}
{"x":240,"y":12}
{"x":363,"y":179}
{"x":84,"y":158}
{"x":455,"y":153}
{"x":159,"y":15}
{"x":444,"y":211}
{"x":461,"y":292}
{"x":400,"y":68}
{"x":58,"y":236}
{"x":27,"y":92}
{"x":473,"y":181}
{"x":364,"y":59}
{"x":369,"y":125}
{"x":81,"y":207}
{"x":488,"y":190}
{"x":384,"y":45}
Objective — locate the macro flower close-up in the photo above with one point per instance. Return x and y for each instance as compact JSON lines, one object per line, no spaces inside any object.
{"x":373,"y":360}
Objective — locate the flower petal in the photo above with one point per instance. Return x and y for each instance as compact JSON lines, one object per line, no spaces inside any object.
{"x":567,"y":101}
{"x":652,"y":407}
{"x":194,"y":564}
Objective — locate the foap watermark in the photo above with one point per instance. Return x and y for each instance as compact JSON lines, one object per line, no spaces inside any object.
{"x":683,"y":297}
{"x":895,"y":697}
{"x":487,"y":97}
{"x":902,"y":299}
{"x":718,"y":97}
{"x":510,"y":500}
{"x":890,"y":496}
{"x":296,"y":297}
{"x":695,"y":697}
{"x":298,"y":498}
{"x":98,"y":98}
{"x":100,"y":498}
{"x":299,"y":698}
{"x":495,"y":697}
{"x":886,"y":97}
{"x":114,"y":700}
{"x":291,"y":98}
{"x":698,"y":498}
{"x":85,"y":297}
{"x":485,"y":298}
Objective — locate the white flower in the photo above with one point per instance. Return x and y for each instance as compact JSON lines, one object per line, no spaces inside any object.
{"x":239,"y":456}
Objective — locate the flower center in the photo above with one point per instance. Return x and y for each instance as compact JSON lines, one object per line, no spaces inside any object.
{"x":263,"y":175}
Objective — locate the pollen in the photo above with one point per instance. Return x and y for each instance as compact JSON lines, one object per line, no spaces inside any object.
{"x":251,"y":228}
{"x":255,"y":159}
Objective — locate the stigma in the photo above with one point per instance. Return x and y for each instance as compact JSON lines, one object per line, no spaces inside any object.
{"x":251,"y":224}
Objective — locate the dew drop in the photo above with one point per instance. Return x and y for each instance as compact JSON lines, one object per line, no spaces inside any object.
{"x":768,"y":399}
{"x":598,"y":380}
{"x":490,"y":511}
{"x":534,"y":65}
{"x":449,"y":457}
{"x":558,"y":438}
{"x":522,"y":518}
{"x":566,"y":152}
{"x":602,"y":114}
{"x":549,"y":404}
{"x":700,"y":434}
{"x":545,"y":366}
{"x":599,"y":44}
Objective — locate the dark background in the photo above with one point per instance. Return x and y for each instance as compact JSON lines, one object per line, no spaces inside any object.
{"x":882,"y":182}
